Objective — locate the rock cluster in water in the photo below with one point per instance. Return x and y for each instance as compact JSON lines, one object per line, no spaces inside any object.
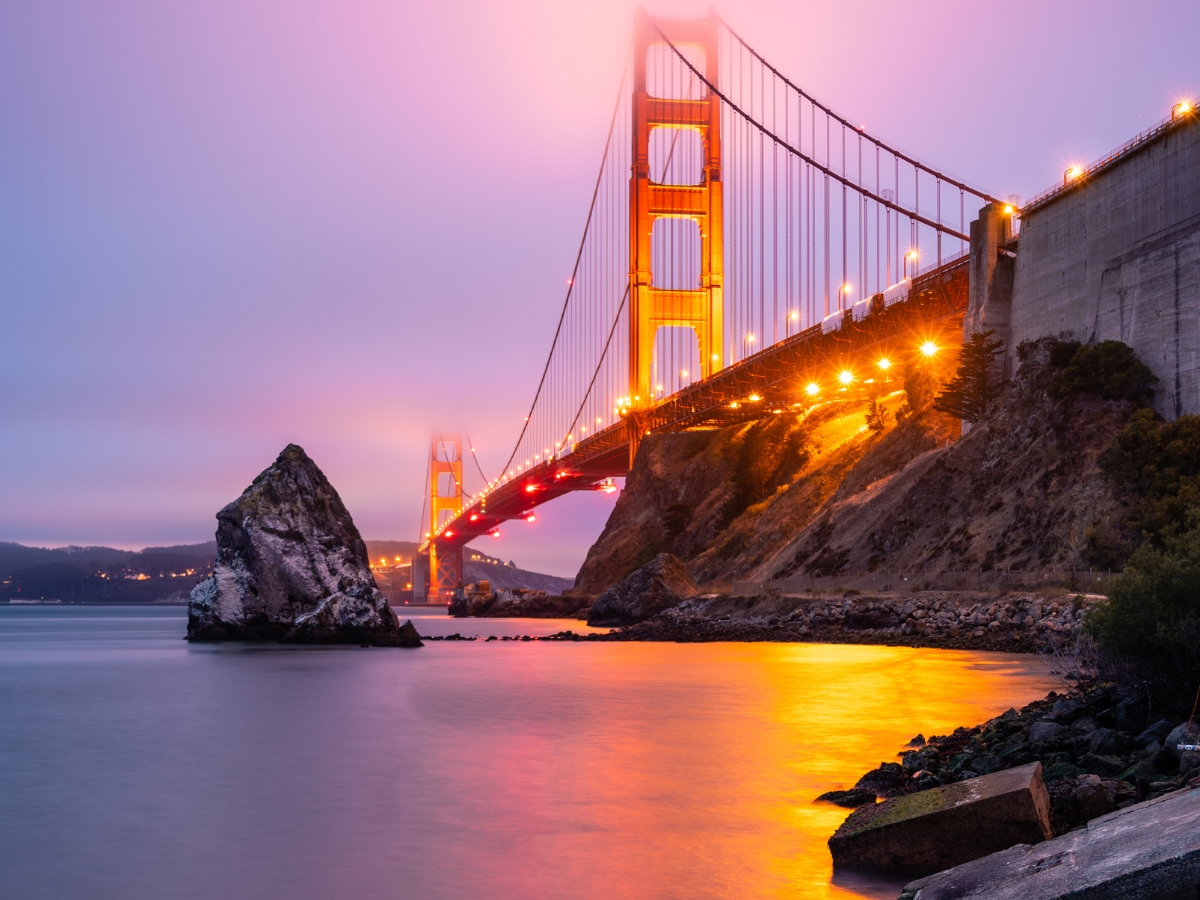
{"x":292,"y":566}
{"x":1100,"y":751}
{"x":660,"y":584}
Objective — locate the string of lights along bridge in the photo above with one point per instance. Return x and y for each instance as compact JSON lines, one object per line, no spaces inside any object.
{"x":739,"y":232}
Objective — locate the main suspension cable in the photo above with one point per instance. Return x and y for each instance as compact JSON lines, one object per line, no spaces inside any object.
{"x":846,"y":124}
{"x":831,"y":173}
{"x":575,"y":269}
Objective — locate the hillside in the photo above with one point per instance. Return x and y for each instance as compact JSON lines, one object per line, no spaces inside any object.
{"x":103,"y":574}
{"x":168,"y":574}
{"x":821,"y":494}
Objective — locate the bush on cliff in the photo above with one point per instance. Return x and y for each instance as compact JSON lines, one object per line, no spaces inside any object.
{"x":920,"y":385}
{"x":1149,"y":628}
{"x":1109,"y":369}
{"x":1158,"y":463}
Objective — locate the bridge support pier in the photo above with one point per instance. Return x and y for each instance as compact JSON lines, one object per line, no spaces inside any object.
{"x":699,"y":307}
{"x":445,"y":503}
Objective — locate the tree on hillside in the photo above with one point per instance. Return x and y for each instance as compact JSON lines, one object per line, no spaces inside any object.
{"x":874,"y":416}
{"x":920,"y":386}
{"x":971,"y":391}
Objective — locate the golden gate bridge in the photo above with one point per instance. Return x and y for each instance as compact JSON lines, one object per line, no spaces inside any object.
{"x":747,"y":251}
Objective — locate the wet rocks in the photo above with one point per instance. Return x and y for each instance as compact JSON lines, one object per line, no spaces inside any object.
{"x":850,"y":799}
{"x":661,"y":583}
{"x":1080,"y":744}
{"x":291,"y":565}
{"x":946,"y":826}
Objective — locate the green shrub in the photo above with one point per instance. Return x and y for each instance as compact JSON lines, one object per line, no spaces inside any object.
{"x":1159,"y":462}
{"x":1151,"y":619}
{"x":1108,"y":369}
{"x":920,"y":385}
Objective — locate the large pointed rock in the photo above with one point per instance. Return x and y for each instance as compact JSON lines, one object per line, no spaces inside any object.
{"x":291,"y":565}
{"x":660,"y":584}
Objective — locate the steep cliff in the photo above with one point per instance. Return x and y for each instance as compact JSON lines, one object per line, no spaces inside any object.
{"x":821,"y":493}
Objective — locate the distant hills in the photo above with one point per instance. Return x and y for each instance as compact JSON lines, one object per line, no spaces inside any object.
{"x":168,"y":574}
{"x":103,"y":574}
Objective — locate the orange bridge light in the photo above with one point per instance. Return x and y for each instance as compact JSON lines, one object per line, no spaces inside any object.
{"x":812,"y":389}
{"x":929,"y":348}
{"x":845,"y":376}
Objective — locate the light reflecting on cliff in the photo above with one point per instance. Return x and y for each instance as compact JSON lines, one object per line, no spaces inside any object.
{"x":134,"y":766}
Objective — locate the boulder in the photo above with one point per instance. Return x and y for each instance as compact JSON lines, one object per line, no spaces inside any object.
{"x":1156,"y":732}
{"x":887,"y":778}
{"x":1150,"y":850}
{"x":660,"y":584}
{"x":946,"y":826}
{"x":1047,"y":733}
{"x":1090,"y":799}
{"x":850,"y":799}
{"x":290,"y":565}
{"x":1101,"y":765}
{"x":1182,"y":737}
{"x":1130,"y":715}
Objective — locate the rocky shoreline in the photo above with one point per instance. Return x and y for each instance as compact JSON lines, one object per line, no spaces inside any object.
{"x":962,"y":620}
{"x":951,"y":620}
{"x":1100,"y":750}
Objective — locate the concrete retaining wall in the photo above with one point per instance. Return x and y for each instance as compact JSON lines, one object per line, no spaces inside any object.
{"x":1117,"y":257}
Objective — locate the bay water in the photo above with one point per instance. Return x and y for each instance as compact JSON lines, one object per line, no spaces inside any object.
{"x":134,"y":765}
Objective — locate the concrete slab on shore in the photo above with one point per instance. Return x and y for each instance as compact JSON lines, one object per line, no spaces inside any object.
{"x":941,"y":827}
{"x":1150,"y":850}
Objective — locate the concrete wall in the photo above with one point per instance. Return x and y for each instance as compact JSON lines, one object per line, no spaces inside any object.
{"x":1118,"y":258}
{"x":990,"y":306}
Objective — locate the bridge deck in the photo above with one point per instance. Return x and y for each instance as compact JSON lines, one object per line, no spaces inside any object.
{"x":934,"y":310}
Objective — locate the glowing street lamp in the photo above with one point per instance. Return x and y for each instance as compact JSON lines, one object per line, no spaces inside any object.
{"x":812,"y":389}
{"x":884,"y":363}
{"x":1071,"y":174}
{"x":844,"y":291}
{"x":845,"y":377}
{"x":910,"y":256}
{"x":929,"y":348}
{"x":1182,"y":108}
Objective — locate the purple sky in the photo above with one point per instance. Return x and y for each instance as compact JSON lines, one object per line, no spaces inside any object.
{"x":226,"y":226}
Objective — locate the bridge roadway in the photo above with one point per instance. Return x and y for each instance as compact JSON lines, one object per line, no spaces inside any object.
{"x":934,"y":310}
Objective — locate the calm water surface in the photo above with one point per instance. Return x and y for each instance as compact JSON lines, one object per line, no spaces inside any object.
{"x":133,"y":765}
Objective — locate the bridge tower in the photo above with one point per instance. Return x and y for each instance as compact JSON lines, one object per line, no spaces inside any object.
{"x":445,"y":503}
{"x":652,"y":307}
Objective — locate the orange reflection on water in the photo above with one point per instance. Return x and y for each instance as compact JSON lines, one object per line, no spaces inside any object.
{"x":687,"y":771}
{"x":666,"y":770}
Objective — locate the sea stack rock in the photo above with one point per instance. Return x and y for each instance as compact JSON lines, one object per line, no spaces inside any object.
{"x":291,"y":566}
{"x":660,"y":584}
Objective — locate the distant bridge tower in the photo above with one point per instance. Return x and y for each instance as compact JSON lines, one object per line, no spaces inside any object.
{"x":445,"y":503}
{"x":653,"y":306}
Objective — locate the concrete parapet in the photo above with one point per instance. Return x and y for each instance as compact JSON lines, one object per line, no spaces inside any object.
{"x":1117,"y":257}
{"x":1149,"y":850}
